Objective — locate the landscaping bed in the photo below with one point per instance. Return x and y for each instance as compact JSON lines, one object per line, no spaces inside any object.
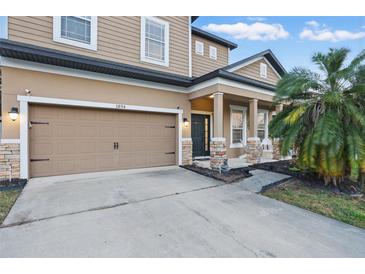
{"x":233,"y":175}
{"x":15,"y":184}
{"x":288,"y":167}
{"x":320,"y":200}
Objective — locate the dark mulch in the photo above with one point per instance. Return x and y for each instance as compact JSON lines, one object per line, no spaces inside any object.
{"x":288,"y":167}
{"x":15,"y":184}
{"x":230,"y":176}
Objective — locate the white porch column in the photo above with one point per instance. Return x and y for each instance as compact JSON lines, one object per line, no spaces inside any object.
{"x":218,"y":149}
{"x":218,"y":115}
{"x":253,"y":117}
{"x":278,"y":108}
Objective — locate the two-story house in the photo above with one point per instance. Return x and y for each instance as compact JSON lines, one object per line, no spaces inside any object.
{"x":86,"y":94}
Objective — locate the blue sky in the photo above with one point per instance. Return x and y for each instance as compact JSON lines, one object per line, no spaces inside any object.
{"x":292,"y":39}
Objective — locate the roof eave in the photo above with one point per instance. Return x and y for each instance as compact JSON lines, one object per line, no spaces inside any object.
{"x":214,"y":38}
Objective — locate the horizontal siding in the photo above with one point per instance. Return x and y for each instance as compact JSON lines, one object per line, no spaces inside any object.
{"x":118,"y":39}
{"x":253,"y":71}
{"x":202,"y":64}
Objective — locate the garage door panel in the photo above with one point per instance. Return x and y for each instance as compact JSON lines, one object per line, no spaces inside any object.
{"x":41,"y":148}
{"x":88,"y":131}
{"x":64,"y":130}
{"x":79,"y":140}
{"x":87,"y":147}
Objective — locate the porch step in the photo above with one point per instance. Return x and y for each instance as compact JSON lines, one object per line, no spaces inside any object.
{"x":267,"y":154}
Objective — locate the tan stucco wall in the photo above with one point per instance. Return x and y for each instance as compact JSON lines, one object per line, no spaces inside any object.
{"x":15,"y":81}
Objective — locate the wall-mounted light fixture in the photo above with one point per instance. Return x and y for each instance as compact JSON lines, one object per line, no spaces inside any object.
{"x":14,"y":113}
{"x":186,"y":122}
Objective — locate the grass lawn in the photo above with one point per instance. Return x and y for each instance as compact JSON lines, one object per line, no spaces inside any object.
{"x":343,"y":208}
{"x":7,"y":199}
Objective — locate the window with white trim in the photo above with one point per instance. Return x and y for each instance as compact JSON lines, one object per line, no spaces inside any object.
{"x":154,"y":41}
{"x":199,"y":47}
{"x":263,"y":70}
{"x":213,"y":53}
{"x":238,"y":125}
{"x":79,"y":31}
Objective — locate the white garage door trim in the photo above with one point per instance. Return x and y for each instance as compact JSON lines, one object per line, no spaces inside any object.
{"x":25,"y":100}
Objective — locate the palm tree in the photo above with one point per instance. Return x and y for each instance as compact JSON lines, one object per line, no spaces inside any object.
{"x":324,"y":117}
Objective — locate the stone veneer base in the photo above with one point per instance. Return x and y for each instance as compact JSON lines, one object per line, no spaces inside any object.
{"x":9,"y":161}
{"x":187,"y":151}
{"x":218,"y":152}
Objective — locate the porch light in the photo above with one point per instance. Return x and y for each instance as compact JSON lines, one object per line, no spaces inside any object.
{"x":186,"y":122}
{"x":14,"y":113}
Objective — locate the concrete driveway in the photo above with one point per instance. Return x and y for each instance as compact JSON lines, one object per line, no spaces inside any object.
{"x":165,"y":212}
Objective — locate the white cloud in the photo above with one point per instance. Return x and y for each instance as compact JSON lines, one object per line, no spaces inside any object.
{"x":256,"y":18}
{"x":312,"y":23}
{"x":315,"y":33}
{"x":256,"y":31}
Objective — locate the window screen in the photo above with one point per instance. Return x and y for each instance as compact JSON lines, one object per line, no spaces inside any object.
{"x":76,"y":28}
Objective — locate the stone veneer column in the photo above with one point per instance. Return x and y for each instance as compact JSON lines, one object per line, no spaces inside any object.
{"x":254,"y":150}
{"x":187,"y":151}
{"x":9,"y":161}
{"x":218,"y":152}
{"x":276,"y":155}
{"x":218,"y":149}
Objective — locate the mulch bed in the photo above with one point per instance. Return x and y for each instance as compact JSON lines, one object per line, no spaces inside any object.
{"x":15,"y":184}
{"x":230,"y":176}
{"x":286,"y":167}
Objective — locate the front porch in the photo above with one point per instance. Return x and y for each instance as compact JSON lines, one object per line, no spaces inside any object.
{"x":230,"y":126}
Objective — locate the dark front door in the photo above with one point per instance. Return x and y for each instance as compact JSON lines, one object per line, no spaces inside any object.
{"x":200,"y":132}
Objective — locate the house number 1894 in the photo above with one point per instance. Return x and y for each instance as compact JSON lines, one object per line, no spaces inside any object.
{"x":120,"y":106}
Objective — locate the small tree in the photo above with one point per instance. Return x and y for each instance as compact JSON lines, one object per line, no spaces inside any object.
{"x":324,"y":117}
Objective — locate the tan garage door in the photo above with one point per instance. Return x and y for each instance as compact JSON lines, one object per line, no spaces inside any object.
{"x":67,"y":140}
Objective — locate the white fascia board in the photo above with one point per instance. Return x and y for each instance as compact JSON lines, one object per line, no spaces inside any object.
{"x":230,"y":83}
{"x":27,"y":65}
{"x":92,"y":104}
{"x":245,"y":64}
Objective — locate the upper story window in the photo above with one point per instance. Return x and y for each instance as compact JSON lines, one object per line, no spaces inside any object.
{"x":199,"y":47}
{"x":155,"y":41}
{"x":213,"y":53}
{"x":79,"y":31}
{"x":263,"y":70}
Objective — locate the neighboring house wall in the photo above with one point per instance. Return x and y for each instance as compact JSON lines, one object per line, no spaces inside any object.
{"x":202,"y":64}
{"x":118,"y":39}
{"x":67,"y":87}
{"x":253,"y":71}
